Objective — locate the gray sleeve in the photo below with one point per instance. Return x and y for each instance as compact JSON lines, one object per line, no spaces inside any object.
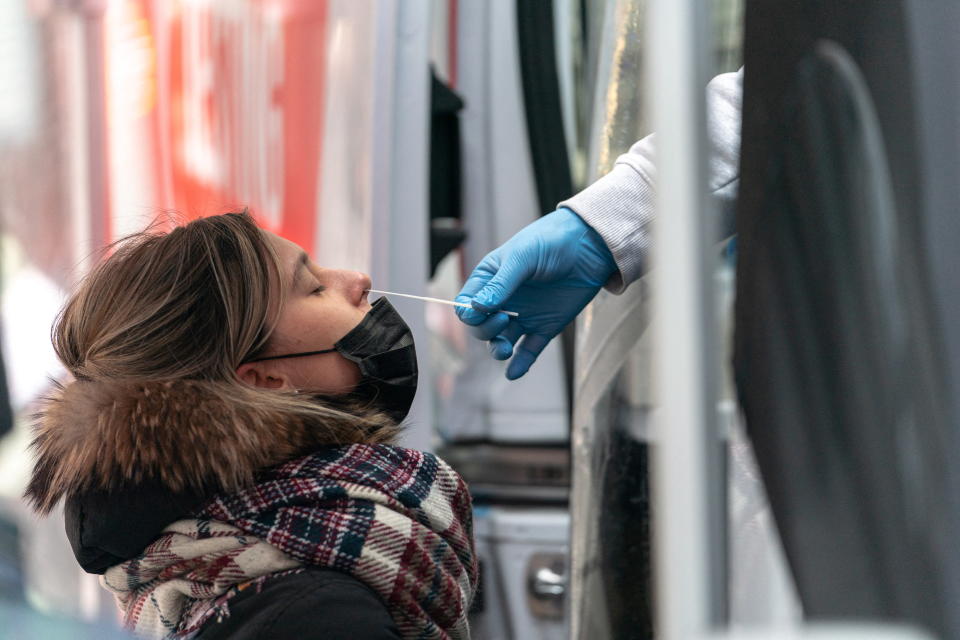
{"x":620,"y":205}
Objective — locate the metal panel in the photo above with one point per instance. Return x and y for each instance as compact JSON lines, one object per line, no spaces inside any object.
{"x":499,"y":199}
{"x":687,"y":480}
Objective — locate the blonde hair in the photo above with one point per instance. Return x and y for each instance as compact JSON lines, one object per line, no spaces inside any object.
{"x":192,"y":305}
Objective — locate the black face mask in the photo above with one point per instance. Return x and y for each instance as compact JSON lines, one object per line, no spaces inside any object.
{"x":382,"y":346}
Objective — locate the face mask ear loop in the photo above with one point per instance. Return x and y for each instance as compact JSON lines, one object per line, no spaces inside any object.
{"x":289,"y":355}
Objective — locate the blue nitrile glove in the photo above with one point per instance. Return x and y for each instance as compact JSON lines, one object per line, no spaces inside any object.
{"x":547,"y":273}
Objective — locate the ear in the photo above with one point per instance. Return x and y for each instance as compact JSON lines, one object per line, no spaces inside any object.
{"x":257,"y":374}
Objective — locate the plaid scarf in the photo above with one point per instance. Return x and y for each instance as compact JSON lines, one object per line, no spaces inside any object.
{"x":396,"y":519}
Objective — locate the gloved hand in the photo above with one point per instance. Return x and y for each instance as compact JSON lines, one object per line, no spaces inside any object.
{"x":547,"y":273}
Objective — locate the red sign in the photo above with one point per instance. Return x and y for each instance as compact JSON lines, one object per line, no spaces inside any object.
{"x":236,"y":116}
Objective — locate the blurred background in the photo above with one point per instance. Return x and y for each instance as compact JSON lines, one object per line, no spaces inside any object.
{"x":404,"y":139}
{"x":407,"y":138}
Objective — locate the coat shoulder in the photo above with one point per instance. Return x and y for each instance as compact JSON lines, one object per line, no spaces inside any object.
{"x":315,"y":603}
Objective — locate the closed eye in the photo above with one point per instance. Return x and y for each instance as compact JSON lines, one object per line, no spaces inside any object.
{"x":318,"y":290}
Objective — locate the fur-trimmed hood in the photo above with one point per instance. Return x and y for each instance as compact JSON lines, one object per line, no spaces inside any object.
{"x":181,"y":435}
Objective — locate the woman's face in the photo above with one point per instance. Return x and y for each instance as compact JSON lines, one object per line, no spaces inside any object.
{"x":320,"y":307}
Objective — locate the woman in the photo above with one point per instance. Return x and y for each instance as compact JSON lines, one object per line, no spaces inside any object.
{"x":223,"y":450}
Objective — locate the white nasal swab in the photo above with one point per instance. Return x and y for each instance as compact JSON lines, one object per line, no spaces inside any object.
{"x":425,"y":299}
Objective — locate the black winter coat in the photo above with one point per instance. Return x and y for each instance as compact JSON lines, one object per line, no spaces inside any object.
{"x":317,"y":603}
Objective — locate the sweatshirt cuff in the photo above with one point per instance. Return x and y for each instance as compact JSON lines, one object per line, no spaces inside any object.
{"x":621,"y":212}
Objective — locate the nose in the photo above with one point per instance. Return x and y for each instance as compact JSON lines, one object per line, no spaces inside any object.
{"x":357,"y":285}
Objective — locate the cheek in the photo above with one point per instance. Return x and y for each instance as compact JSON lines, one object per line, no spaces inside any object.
{"x":331,"y":374}
{"x":322,"y":323}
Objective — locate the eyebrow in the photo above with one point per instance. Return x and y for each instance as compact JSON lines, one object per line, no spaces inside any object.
{"x":301,"y":265}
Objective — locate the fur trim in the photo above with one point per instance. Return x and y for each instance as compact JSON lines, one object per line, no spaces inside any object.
{"x":185,"y":434}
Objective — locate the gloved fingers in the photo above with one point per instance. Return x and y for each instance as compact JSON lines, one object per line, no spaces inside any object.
{"x":469,"y":315}
{"x":491,"y":326}
{"x":526,"y":353}
{"x":501,"y":346}
{"x":518,"y":266}
{"x":478,"y":279}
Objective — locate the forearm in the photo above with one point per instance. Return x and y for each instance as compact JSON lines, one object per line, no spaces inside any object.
{"x":620,"y":205}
